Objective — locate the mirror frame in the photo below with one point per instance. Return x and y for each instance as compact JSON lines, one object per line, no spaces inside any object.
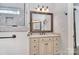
{"x":31,"y":25}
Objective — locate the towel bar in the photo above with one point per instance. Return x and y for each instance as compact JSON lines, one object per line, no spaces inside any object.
{"x":13,"y":36}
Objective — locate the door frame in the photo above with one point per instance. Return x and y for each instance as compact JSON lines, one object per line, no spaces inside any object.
{"x":74,"y":24}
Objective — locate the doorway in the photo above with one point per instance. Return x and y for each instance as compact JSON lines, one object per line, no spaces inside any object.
{"x":76,"y":30}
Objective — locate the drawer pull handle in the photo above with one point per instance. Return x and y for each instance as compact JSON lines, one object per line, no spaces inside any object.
{"x":46,"y":43}
{"x":34,"y":46}
{"x":56,"y":39}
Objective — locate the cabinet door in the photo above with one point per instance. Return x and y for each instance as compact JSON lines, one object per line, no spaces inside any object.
{"x":49,"y":46}
{"x":56,"y":45}
{"x":45,"y":46}
{"x":34,"y":46}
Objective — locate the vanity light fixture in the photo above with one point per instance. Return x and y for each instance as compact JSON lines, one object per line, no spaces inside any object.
{"x":47,"y":10}
{"x":38,"y":9}
{"x":42,"y":9}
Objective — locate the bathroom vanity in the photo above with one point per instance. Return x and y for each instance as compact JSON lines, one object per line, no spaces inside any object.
{"x":41,"y":42}
{"x":45,"y":44}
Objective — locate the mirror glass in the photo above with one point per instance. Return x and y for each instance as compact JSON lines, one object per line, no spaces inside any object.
{"x":42,"y":21}
{"x":12,"y":15}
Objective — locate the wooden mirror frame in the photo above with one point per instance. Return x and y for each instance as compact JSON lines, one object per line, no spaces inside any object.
{"x":46,"y":13}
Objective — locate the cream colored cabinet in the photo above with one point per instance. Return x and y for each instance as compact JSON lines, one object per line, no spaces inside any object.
{"x":57,"y":45}
{"x":34,"y":46}
{"x":44,"y":44}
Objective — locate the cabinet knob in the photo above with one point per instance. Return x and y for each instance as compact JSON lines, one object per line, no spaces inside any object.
{"x":56,"y":39}
{"x":49,"y":39}
{"x":34,"y":40}
{"x":56,"y":44}
{"x":46,"y":43}
{"x":56,"y":50}
{"x":34,"y":46}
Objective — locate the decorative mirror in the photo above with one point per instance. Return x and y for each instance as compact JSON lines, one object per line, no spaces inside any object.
{"x":41,"y":22}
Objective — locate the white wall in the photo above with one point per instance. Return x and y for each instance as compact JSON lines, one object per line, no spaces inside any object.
{"x":61,"y":24}
{"x":20,"y":44}
{"x":17,"y":45}
{"x":70,"y":30}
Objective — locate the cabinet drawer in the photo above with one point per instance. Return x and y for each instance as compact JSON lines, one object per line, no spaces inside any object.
{"x":56,"y":51}
{"x":45,"y":46}
{"x":34,"y":45}
{"x":56,"y":38}
{"x":45,"y":39}
{"x":34,"y":49}
{"x":56,"y":42}
{"x":35,"y":40}
{"x":56,"y":45}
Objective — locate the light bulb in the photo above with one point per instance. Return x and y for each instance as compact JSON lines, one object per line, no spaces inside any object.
{"x":43,"y":9}
{"x":38,"y":9}
{"x":46,"y":9}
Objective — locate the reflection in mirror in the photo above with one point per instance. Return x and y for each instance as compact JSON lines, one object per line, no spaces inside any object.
{"x":12,"y":15}
{"x":41,"y":22}
{"x":6,"y":10}
{"x":45,"y":21}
